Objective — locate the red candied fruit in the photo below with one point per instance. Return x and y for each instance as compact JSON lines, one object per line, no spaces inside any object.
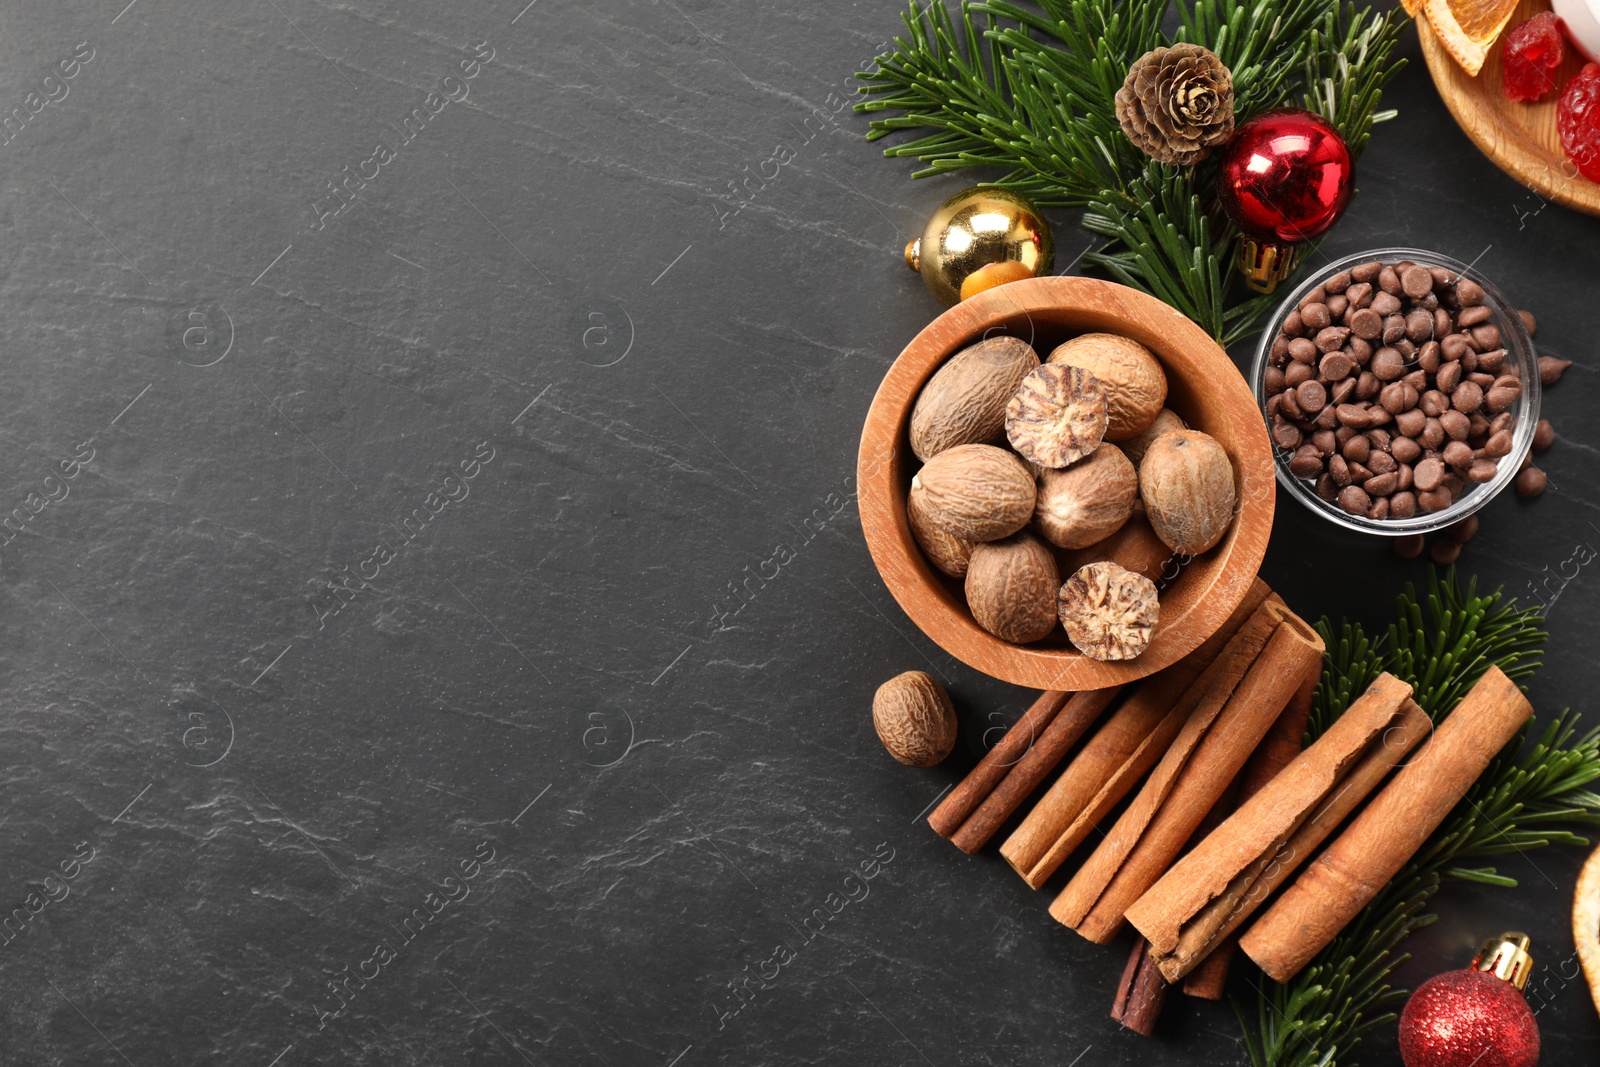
{"x":1531,"y":54}
{"x":1578,"y":119}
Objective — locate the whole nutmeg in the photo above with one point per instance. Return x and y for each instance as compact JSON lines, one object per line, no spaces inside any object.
{"x":914,"y":718}
{"x":976,"y":492}
{"x":1135,"y":547}
{"x":1134,"y":383}
{"x":964,"y":403}
{"x":1011,"y":588}
{"x":1136,"y":446}
{"x":1186,"y":482}
{"x":950,"y":554}
{"x":1088,"y":501}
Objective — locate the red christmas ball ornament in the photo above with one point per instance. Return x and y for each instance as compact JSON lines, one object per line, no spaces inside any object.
{"x":1283,"y":178}
{"x":1475,"y":1017}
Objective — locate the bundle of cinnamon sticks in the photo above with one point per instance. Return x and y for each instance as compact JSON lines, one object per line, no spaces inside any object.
{"x":1215,"y":741}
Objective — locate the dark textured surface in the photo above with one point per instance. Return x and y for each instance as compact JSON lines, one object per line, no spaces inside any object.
{"x":553,"y":670}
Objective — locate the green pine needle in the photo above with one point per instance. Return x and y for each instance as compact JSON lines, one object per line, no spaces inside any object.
{"x":1529,"y":797}
{"x":1029,"y":90}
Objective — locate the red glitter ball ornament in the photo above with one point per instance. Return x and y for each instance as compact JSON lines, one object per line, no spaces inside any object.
{"x":1285,"y":176}
{"x":1475,"y":1017}
{"x":1531,"y":53}
{"x":1578,"y":120}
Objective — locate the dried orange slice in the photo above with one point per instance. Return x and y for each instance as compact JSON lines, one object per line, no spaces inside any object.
{"x":1586,"y":923}
{"x":1411,"y":6}
{"x":1467,"y":28}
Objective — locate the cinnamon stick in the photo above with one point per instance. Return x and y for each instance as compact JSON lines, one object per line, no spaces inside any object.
{"x":1115,"y":758}
{"x":1340,"y":882}
{"x":1024,"y":776}
{"x":1197,"y":901}
{"x":981,"y":780}
{"x":1276,"y":751}
{"x":1141,"y":993}
{"x":1241,"y":694}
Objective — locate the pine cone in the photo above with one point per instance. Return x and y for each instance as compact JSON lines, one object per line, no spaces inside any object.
{"x":1177,"y":104}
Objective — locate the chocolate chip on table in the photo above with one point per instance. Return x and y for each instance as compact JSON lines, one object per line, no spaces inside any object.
{"x":1444,"y":551}
{"x":1551,"y":368}
{"x":1409,"y":546}
{"x":1544,"y":435}
{"x":1529,"y":323}
{"x":1462,"y":531}
{"x":1531,"y":482}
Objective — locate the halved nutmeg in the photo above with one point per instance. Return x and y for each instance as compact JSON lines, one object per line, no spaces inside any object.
{"x":1109,"y":612}
{"x":1057,"y":416}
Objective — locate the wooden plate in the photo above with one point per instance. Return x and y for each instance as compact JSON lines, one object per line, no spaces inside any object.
{"x":1203,"y":386}
{"x":1520,"y":138}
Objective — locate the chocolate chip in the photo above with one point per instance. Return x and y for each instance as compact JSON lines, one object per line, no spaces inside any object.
{"x":1367,"y":385}
{"x":1444,"y":551}
{"x":1359,"y":295}
{"x":1336,"y":366}
{"x":1389,"y":281}
{"x":1419,"y":326}
{"x":1442,"y":278}
{"x":1302,"y":350}
{"x":1332,"y":338}
{"x":1311,"y":396}
{"x":1551,"y":368}
{"x":1484,"y":337}
{"x":1434,"y":500}
{"x":1385,"y":303}
{"x":1403,"y":505}
{"x":1365,"y":272}
{"x":1405,"y":449}
{"x":1272,"y":380}
{"x":1315,"y":316}
{"x":1452,"y":346}
{"x":1501,"y":397}
{"x":1499,"y":443}
{"x":1457,"y":454}
{"x":1531,"y":482}
{"x":1427,"y":357}
{"x":1441,"y":322}
{"x":1472,"y":316}
{"x":1354,"y":499}
{"x":1359,"y":349}
{"x":1468,"y":293}
{"x":1380,"y":462}
{"x":1432,"y":435}
{"x":1493,"y":361}
{"x":1339,"y":470}
{"x":1355,"y":416}
{"x":1307,"y":463}
{"x":1482,"y":470}
{"x":1326,"y":489}
{"x":1286,"y":434}
{"x":1529,"y":323}
{"x":1467,"y":398}
{"x":1448,"y":378}
{"x":1325,"y":441}
{"x":1289,"y":404}
{"x":1433,"y":403}
{"x":1393,"y":398}
{"x":1544,"y":435}
{"x":1455,"y":425}
{"x":1337,"y":305}
{"x":1463,"y":530}
{"x":1343,"y":391}
{"x":1379,"y":510}
{"x":1292,"y":327}
{"x":1427,"y":475}
{"x":1416,"y":282}
{"x":1296,"y":373}
{"x":1366,"y":324}
{"x":1357,"y":449}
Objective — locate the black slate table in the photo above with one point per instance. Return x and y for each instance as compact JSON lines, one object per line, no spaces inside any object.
{"x":398,"y":399}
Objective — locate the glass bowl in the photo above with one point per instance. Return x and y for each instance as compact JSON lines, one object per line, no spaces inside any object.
{"x":1521,"y":361}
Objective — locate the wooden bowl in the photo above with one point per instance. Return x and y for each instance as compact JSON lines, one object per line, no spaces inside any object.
{"x":1520,"y":139}
{"x":1204,"y":388}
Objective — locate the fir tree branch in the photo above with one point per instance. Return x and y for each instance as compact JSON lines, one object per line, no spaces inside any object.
{"x":1028,"y":90}
{"x":1523,"y":801}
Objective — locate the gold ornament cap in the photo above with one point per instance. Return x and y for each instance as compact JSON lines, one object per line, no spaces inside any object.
{"x":1506,"y":957}
{"x":978,"y":239}
{"x":1264,"y":264}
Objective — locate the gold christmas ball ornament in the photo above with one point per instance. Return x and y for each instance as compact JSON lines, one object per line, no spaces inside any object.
{"x":978,"y":239}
